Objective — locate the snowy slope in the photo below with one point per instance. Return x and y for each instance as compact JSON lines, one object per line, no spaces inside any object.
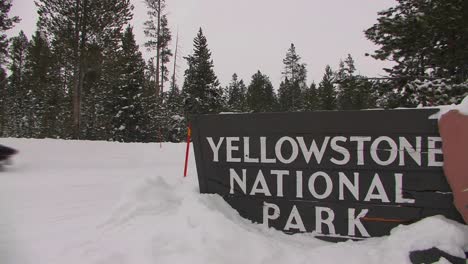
{"x":110,"y":203}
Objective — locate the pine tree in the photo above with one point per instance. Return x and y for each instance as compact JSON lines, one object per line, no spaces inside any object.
{"x":236,"y":95}
{"x":47,"y":95}
{"x":201,"y":87}
{"x":19,"y":97}
{"x":354,"y":92}
{"x":3,"y":102}
{"x":176,"y":122}
{"x":423,"y":37}
{"x":128,"y":116}
{"x":326,"y":91}
{"x":436,"y":92}
{"x":6,"y":23}
{"x":290,"y":93}
{"x":151,"y":103}
{"x":346,"y":85}
{"x":426,"y":40}
{"x":311,"y":100}
{"x":260,"y":94}
{"x":81,"y":30}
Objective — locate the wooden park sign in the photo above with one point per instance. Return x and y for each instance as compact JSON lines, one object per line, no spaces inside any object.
{"x":341,"y":175}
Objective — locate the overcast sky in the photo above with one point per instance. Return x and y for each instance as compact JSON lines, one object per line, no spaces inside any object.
{"x":249,"y":35}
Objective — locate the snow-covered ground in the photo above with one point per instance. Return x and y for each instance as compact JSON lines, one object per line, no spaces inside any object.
{"x":110,"y":203}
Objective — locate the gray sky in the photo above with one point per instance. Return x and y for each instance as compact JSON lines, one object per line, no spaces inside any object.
{"x":249,"y":35}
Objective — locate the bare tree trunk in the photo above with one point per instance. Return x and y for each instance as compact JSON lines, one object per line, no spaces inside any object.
{"x":158,"y":48}
{"x":79,"y":67}
{"x":76,"y":75}
{"x":162,"y":78}
{"x":175,"y":62}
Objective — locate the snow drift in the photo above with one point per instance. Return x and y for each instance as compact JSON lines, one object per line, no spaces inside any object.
{"x":111,"y":203}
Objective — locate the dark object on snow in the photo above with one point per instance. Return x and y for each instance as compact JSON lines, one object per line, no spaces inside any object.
{"x":433,"y":255}
{"x":6,"y":152}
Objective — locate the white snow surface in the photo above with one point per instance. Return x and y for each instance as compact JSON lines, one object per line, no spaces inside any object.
{"x":462,"y":108}
{"x":112,"y":203}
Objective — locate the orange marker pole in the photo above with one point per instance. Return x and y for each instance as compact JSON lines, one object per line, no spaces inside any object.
{"x":189,"y":136}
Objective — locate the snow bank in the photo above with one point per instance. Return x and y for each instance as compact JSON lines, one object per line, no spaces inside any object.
{"x":462,"y":108}
{"x":128,"y":204}
{"x":169,"y":222}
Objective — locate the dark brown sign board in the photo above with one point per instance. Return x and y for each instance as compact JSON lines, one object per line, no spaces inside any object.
{"x":339,"y":174}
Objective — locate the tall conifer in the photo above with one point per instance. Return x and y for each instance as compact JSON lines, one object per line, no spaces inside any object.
{"x":326,"y":91}
{"x":202,"y":93}
{"x":260,"y":94}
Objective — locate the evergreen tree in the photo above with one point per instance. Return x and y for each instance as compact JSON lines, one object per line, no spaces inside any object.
{"x":19,"y":97}
{"x":311,"y":100}
{"x":436,"y":92}
{"x":151,"y":103}
{"x":3,"y":102}
{"x":423,"y":37}
{"x":426,"y":40}
{"x":81,"y":31}
{"x":326,"y":91}
{"x":354,"y":92}
{"x":99,"y":83}
{"x":260,"y":94}
{"x":346,"y":84}
{"x":176,"y":123}
{"x":236,"y":95}
{"x":43,"y":83}
{"x":290,"y":93}
{"x":6,"y":23}
{"x":201,"y":87}
{"x":128,"y":115}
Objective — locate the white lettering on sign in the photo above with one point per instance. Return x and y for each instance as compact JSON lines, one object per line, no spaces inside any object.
{"x":321,"y":219}
{"x":319,"y":185}
{"x":343,"y":151}
{"x":338,"y":150}
{"x":355,"y":221}
{"x":234,"y":177}
{"x":266,"y":213}
{"x":433,"y":151}
{"x":328,"y":169}
{"x":313,"y":150}
{"x":215,"y":148}
{"x":353,"y":187}
{"x":294,"y":221}
{"x":328,"y":185}
{"x":399,"y":190}
{"x":279,"y":181}
{"x":376,"y":149}
{"x":299,"y":193}
{"x":294,"y":150}
{"x":263,"y":152}
{"x":376,"y":185}
{"x":414,"y":152}
{"x":247,"y":157}
{"x":324,"y":219}
{"x":260,"y":185}
{"x":230,"y":148}
{"x":360,"y":147}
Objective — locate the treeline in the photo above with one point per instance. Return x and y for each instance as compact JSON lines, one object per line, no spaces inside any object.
{"x":82,"y":75}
